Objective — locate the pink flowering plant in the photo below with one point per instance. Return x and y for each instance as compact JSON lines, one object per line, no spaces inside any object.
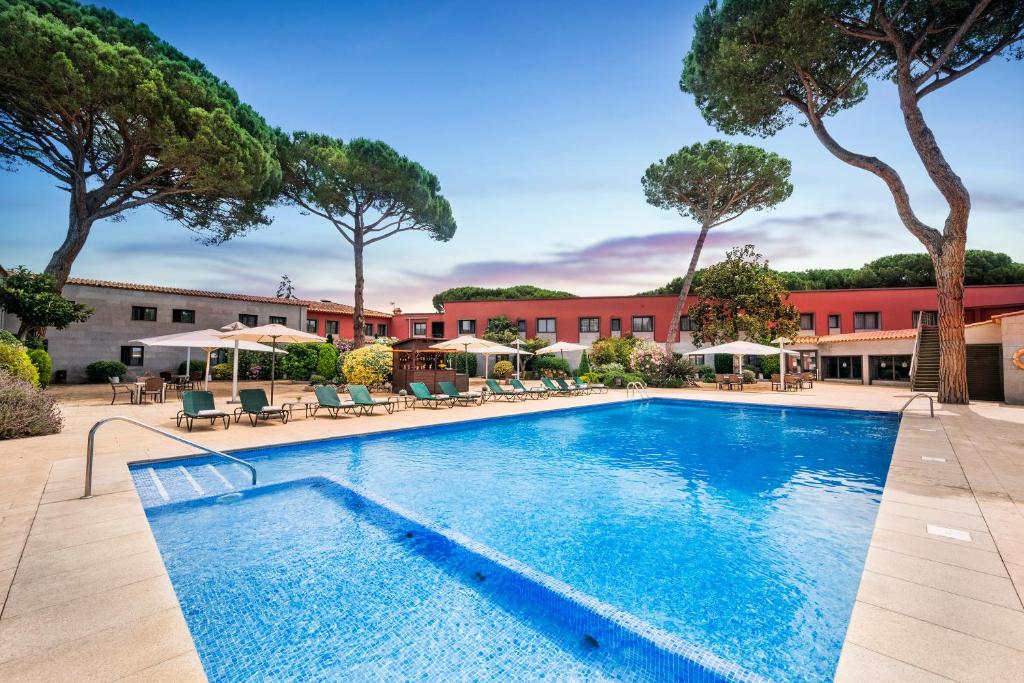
{"x":648,"y":358}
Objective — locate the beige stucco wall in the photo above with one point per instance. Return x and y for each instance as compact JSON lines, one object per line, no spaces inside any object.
{"x":987,"y":333}
{"x":111,"y":326}
{"x":1012,"y":329}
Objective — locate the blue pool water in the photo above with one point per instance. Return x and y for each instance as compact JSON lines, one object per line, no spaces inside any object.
{"x":739,"y":529}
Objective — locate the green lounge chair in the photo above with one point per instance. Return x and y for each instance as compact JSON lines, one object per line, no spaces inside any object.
{"x":531,"y":392}
{"x":365,"y":402}
{"x":198,"y":405}
{"x":498,"y":392}
{"x":256,"y":406}
{"x":421,"y":393}
{"x":463,"y":397}
{"x":596,"y":388}
{"x":327,"y":398}
{"x":574,"y":390}
{"x":554,"y":388}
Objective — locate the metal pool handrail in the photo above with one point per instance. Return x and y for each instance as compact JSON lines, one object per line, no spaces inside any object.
{"x":175,"y":437}
{"x":638,"y":388}
{"x":931,"y":403}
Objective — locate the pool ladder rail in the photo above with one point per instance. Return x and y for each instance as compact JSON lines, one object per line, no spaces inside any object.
{"x":931,"y":403}
{"x":636,"y":389}
{"x":169,"y":435}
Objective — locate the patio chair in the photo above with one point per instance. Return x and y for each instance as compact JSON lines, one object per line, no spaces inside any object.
{"x":194,"y":377}
{"x":498,"y":392}
{"x":256,"y":406}
{"x":154,"y":387}
{"x":327,"y":398}
{"x":776,"y":382}
{"x":365,"y":402}
{"x":463,"y":397}
{"x":576,"y":390}
{"x":116,"y":385}
{"x":198,"y":405}
{"x":421,"y":393}
{"x":531,"y":392}
{"x":806,"y":380}
{"x":591,"y":388}
{"x":555,"y":389}
{"x":793,"y":382}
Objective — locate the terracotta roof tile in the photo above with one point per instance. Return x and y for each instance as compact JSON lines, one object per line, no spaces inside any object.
{"x":873,"y":335}
{"x":182,"y":291}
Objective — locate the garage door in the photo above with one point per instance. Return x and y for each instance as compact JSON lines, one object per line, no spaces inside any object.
{"x":985,"y":372}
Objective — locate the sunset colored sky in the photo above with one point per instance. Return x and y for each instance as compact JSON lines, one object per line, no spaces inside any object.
{"x":539,"y":118}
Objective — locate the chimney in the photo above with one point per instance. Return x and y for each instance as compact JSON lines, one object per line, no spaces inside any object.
{"x":396,"y":311}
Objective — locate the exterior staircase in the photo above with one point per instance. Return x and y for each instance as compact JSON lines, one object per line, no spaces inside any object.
{"x":926,"y":366}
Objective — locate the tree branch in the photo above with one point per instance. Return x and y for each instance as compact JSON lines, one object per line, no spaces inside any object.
{"x":954,"y":40}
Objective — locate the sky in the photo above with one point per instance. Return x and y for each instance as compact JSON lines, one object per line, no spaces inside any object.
{"x":539,"y":119}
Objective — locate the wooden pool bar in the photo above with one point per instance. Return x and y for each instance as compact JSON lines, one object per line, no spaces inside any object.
{"x":414,"y":361}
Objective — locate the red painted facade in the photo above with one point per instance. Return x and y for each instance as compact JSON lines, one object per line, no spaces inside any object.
{"x":342,"y":317}
{"x":895,"y":309}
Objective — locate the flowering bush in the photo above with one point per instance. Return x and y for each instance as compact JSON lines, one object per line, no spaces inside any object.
{"x":255,"y":372}
{"x":612,"y":350}
{"x":26,"y":410}
{"x":648,"y":358}
{"x":221,"y":371}
{"x":503,"y":369}
{"x":552,"y":366}
{"x":15,"y":360}
{"x":386,"y":341}
{"x":370,"y":365}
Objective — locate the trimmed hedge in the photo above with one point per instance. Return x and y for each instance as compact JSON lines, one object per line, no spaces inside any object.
{"x":103,"y":370}
{"x":44,"y":366}
{"x":15,"y":360}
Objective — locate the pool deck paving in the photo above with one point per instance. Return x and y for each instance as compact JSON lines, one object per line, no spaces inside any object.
{"x":85,"y":595}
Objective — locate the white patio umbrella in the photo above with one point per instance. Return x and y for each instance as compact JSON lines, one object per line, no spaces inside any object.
{"x":498,"y":350}
{"x":234,"y":327}
{"x":782,"y":341}
{"x":273,"y":333}
{"x":518,"y":343}
{"x":744,"y":348}
{"x":207,"y":340}
{"x":561,"y":347}
{"x":466,"y":343}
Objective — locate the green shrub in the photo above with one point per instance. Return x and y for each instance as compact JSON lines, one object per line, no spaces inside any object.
{"x":221,"y":371}
{"x":723,"y":363}
{"x":592,"y":377}
{"x":369,"y":365}
{"x":706,"y":372}
{"x":326,"y":361}
{"x":610,"y":367}
{"x":464,"y":363}
{"x":15,"y":360}
{"x":769,"y":365}
{"x":666,"y":382}
{"x":300,"y":362}
{"x":749,"y":377}
{"x":103,"y":370}
{"x":584,"y":367}
{"x":26,"y":410}
{"x":618,"y":378}
{"x":552,"y":366}
{"x":44,"y":366}
{"x":503,"y":369}
{"x":317,"y":380}
{"x":7,"y":337}
{"x":195,"y":366}
{"x":613,"y":350}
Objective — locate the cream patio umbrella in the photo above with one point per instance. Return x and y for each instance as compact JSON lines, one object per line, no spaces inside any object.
{"x":744,"y":348}
{"x":518,"y":343}
{"x":561,"y":347}
{"x":466,"y":343}
{"x":207,"y":340}
{"x":273,"y":333}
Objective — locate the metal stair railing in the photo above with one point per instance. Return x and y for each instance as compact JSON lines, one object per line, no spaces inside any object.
{"x":636,"y":388}
{"x":917,"y":350}
{"x":175,"y":437}
{"x":931,"y":403}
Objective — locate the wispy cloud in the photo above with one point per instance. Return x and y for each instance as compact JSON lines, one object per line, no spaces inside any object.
{"x":998,"y":201}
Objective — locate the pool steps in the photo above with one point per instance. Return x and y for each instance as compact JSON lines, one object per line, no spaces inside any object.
{"x":644,"y":649}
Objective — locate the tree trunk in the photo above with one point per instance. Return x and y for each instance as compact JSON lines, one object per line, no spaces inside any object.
{"x":79,"y":225}
{"x":358,"y":336}
{"x":673,"y":324}
{"x":949,"y":281}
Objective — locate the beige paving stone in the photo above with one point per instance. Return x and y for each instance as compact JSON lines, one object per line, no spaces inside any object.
{"x":997,"y":590}
{"x":65,"y":538}
{"x":966,"y":615}
{"x":38,"y":565}
{"x":858,"y":664}
{"x":49,"y":627}
{"x":934,"y":648}
{"x":107,"y":654}
{"x":939,"y":550}
{"x":980,"y":540}
{"x":184,"y":668}
{"x":32,"y":593}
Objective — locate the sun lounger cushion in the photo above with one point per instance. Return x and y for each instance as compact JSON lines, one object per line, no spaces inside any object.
{"x":209,"y":413}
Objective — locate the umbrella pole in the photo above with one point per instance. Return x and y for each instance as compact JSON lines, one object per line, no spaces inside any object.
{"x":782,"y":369}
{"x":206,"y":375}
{"x":273,"y":367}
{"x":188,"y":360}
{"x":234,"y":377}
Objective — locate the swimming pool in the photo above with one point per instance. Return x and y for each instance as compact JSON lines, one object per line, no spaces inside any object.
{"x":738,"y":529}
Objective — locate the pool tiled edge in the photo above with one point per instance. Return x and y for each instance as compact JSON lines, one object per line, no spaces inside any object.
{"x":93,"y":634}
